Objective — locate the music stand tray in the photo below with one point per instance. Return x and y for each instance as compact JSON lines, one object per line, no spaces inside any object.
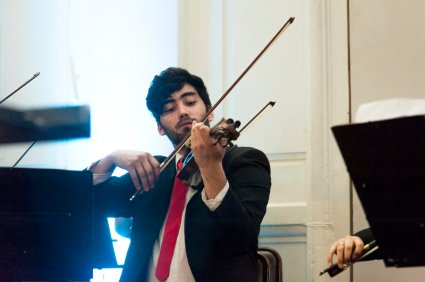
{"x":386,"y":162}
{"x":46,"y":225}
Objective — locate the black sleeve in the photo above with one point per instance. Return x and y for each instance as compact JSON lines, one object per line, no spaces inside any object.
{"x":367,"y":236}
{"x":235,"y":224}
{"x":245,"y":204}
{"x":112,"y":197}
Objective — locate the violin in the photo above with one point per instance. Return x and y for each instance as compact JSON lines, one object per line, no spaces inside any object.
{"x":184,"y":143}
{"x":223,"y":133}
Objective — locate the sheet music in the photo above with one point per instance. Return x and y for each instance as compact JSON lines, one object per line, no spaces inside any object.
{"x":390,"y":108}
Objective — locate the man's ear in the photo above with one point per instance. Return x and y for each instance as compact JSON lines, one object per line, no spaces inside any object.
{"x":211,"y":116}
{"x":161,"y":130}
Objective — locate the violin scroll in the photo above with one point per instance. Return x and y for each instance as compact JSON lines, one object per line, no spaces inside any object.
{"x":225,"y":131}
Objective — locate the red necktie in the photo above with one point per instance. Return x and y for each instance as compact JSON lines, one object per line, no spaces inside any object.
{"x":172,"y":227}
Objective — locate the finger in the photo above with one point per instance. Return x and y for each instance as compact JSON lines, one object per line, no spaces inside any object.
{"x":348,"y":250}
{"x":154,"y":164}
{"x":143,"y":177}
{"x":331,"y":253}
{"x":223,"y":142}
{"x":149,"y":172}
{"x":359,"y":246}
{"x":141,"y":174}
{"x":340,"y":253}
{"x":135,"y":179}
{"x":194,"y":132}
{"x":203,"y":137}
{"x":204,"y":132}
{"x":196,"y":135}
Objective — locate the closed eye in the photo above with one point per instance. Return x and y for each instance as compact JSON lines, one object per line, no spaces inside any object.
{"x":190,"y":103}
{"x":169,"y":108}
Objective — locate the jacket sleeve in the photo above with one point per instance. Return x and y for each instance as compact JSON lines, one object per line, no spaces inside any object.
{"x":112,"y":197}
{"x":235,"y":224}
{"x":367,"y":236}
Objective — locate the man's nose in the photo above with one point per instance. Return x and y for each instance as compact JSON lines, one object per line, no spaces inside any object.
{"x":182,"y":110}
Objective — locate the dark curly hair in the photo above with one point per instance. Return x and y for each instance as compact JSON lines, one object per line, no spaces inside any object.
{"x":169,"y":81}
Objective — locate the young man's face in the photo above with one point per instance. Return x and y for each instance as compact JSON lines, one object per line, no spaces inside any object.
{"x":179,"y":111}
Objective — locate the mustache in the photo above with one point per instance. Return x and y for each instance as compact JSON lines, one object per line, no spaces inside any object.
{"x":184,"y":121}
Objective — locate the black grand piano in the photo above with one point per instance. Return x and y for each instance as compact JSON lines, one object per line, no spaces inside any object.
{"x":48,"y":228}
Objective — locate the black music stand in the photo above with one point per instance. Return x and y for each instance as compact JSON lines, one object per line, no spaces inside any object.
{"x":47,"y":226}
{"x":386,"y":162}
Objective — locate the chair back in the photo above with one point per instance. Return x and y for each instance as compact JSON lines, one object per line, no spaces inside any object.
{"x":269,"y":265}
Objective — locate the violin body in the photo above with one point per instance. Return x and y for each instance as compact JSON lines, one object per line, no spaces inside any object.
{"x":189,"y":167}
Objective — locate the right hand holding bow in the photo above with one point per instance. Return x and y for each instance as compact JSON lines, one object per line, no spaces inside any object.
{"x":143,"y":167}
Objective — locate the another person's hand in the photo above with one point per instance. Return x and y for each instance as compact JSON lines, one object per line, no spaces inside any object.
{"x":346,"y":250}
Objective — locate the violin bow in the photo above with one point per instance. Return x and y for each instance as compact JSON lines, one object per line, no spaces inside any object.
{"x":211,"y":109}
{"x":20,"y":87}
{"x":177,"y":149}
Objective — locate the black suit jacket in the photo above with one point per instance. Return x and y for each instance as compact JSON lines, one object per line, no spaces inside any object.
{"x":220,"y":245}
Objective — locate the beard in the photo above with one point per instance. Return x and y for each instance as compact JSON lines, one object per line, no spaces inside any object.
{"x":177,"y":137}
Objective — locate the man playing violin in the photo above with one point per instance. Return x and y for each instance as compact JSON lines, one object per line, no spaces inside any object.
{"x":224,"y":201}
